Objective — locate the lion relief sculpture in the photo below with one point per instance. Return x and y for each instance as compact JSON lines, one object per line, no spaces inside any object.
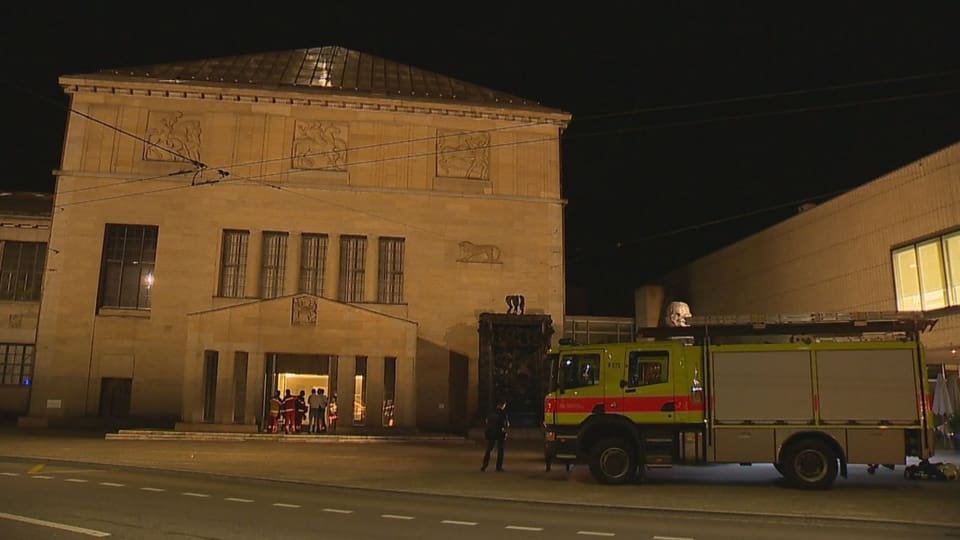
{"x":479,"y":253}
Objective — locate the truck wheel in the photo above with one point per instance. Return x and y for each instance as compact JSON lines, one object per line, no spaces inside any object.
{"x":811,"y":464}
{"x":612,"y":461}
{"x":779,"y":467}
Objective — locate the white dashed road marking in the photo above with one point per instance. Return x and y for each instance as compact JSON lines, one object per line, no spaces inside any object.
{"x":452,"y":522}
{"x":156,"y":490}
{"x":520,"y":528}
{"x":40,"y":476}
{"x":595,"y":533}
{"x":190,"y":494}
{"x":10,"y":474}
{"x":111,"y":484}
{"x":337,"y":511}
{"x":394,"y":516}
{"x":234,"y":499}
{"x":285,"y":505}
{"x":54,"y":525}
{"x":76,"y":480}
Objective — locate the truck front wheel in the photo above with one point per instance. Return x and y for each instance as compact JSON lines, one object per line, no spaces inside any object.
{"x":613,"y":461}
{"x":810,"y":464}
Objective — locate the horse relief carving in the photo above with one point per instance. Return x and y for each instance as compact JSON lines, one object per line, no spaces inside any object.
{"x":463,"y":154}
{"x":479,"y":253}
{"x":320,"y":145}
{"x":172,"y":138}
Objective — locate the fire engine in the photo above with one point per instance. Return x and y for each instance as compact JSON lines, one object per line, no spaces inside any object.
{"x":810,"y":393}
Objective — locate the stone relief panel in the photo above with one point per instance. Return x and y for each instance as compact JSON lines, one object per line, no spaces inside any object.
{"x":479,"y":253}
{"x":16,"y":320}
{"x":319,"y":145}
{"x":304,"y":310}
{"x":463,"y":154}
{"x":173,"y":137}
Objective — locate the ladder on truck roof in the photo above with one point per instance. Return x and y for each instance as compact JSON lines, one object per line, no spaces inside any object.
{"x":835,"y":324}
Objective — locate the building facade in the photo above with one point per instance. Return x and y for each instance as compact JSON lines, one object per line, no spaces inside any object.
{"x":24,"y":231}
{"x":890,"y":245}
{"x":316,"y":218}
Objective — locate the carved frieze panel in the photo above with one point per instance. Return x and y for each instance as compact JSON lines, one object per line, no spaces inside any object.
{"x":304,"y":311}
{"x":319,"y":145}
{"x":173,"y":137}
{"x":479,"y":253}
{"x":463,"y":154}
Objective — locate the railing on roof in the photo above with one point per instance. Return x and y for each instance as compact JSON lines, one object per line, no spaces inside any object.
{"x":865,"y":324}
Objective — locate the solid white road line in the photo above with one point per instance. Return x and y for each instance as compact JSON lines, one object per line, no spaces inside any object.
{"x":672,"y":538}
{"x":285,"y":505}
{"x":519,"y":528}
{"x":191,"y":494}
{"x":54,"y":525}
{"x":40,"y":476}
{"x":155,"y":490}
{"x":234,"y":499}
{"x":337,"y":511}
{"x":76,"y":480}
{"x":452,"y":522}
{"x":111,"y":484}
{"x":595,"y":533}
{"x":394,"y":516}
{"x":9,"y":474}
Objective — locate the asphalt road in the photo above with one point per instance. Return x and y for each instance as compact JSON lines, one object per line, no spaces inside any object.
{"x":52,"y":501}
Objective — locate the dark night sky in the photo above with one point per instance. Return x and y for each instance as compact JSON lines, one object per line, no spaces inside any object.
{"x":655,"y":177}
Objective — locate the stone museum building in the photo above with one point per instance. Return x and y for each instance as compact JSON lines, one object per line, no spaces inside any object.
{"x":24,"y":230}
{"x":314,"y":218}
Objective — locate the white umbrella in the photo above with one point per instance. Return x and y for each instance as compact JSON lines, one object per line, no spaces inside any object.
{"x":942,"y":404}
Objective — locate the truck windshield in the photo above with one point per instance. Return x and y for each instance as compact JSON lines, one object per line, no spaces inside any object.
{"x":552,"y":359}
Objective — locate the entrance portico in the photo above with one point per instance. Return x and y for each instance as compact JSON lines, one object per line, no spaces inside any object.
{"x":238,"y":355}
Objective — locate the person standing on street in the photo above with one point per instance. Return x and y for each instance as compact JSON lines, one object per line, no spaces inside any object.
{"x":495,"y":433}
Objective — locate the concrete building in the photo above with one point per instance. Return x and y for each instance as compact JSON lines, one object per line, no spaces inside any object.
{"x":316,"y":218}
{"x":890,"y":245}
{"x":24,"y":231}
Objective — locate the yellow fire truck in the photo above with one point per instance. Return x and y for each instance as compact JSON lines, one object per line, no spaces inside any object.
{"x":808,"y":393}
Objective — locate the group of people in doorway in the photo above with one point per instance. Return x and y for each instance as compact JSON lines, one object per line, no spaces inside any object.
{"x":287,"y":413}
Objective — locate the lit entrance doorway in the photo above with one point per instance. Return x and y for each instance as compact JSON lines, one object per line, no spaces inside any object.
{"x":296,"y":372}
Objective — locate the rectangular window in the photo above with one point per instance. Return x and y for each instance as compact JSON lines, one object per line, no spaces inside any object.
{"x":126,"y":272}
{"x":927,"y":274}
{"x":579,"y":370}
{"x":389,"y":391}
{"x":273,"y":263}
{"x":647,"y":367}
{"x":313,"y":261}
{"x":360,"y":392}
{"x":21,"y":270}
{"x":390,"y":272}
{"x":951,"y":253}
{"x":16,"y":364}
{"x":233,"y":263}
{"x":353,"y":254}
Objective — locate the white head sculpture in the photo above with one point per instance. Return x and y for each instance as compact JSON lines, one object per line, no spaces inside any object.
{"x":677,"y":314}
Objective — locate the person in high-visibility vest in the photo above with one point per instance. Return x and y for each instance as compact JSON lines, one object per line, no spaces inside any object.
{"x":274,"y":412}
{"x":288,"y":408}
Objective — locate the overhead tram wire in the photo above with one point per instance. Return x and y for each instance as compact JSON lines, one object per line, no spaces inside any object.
{"x":682,"y":123}
{"x":578,"y":119}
